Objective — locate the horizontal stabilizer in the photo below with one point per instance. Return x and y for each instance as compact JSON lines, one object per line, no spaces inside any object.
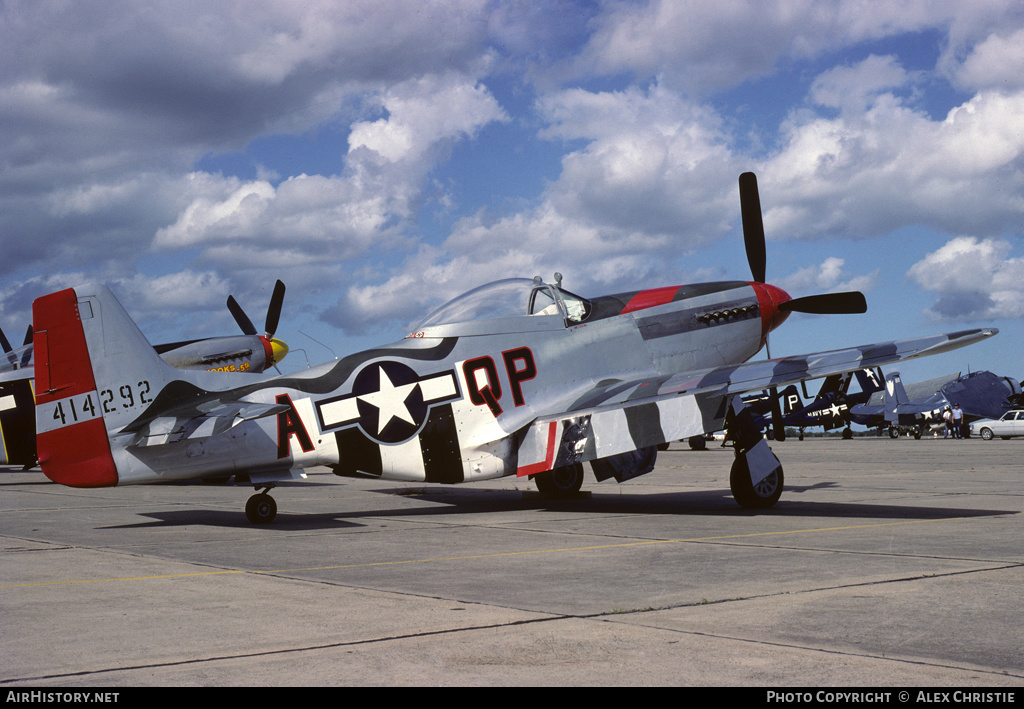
{"x":222,"y":418}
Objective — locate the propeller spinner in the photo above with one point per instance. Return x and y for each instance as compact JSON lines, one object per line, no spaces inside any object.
{"x":276,"y":349}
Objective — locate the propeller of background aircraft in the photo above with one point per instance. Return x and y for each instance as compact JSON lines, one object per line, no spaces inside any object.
{"x":848,"y":302}
{"x":279,"y":348}
{"x":6,"y":345}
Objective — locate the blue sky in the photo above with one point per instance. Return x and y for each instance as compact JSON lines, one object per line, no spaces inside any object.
{"x":382,"y":157}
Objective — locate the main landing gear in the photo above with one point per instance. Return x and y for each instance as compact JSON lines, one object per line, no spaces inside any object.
{"x":261,"y":507}
{"x":756,"y":477}
{"x":560,"y":482}
{"x":754,"y":496}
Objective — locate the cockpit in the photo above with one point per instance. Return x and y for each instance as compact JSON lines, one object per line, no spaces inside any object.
{"x":511,"y":297}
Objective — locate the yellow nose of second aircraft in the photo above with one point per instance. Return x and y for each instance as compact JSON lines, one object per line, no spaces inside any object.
{"x":278,"y":350}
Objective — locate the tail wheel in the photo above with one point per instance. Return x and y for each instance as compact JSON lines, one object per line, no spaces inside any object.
{"x":261,"y":509}
{"x":750,"y":496}
{"x":560,"y":482}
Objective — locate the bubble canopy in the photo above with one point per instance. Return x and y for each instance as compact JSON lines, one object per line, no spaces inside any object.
{"x":510,"y":297}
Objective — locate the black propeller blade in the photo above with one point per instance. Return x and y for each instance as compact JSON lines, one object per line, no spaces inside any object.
{"x":4,"y":342}
{"x":240,"y":317}
{"x":825,"y":304}
{"x":753,"y":226}
{"x":273,"y":313}
{"x":848,"y":302}
{"x":274,"y":310}
{"x":753,"y":240}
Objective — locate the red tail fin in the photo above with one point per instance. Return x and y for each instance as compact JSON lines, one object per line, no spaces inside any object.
{"x":70,"y":434}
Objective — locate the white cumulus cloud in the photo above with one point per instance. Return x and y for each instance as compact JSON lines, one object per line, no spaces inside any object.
{"x":973,"y":279}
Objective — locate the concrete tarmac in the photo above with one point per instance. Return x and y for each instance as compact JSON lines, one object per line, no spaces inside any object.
{"x":885,"y":564}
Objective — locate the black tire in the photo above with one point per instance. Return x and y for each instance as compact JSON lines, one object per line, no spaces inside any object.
{"x":697,"y":443}
{"x":754,"y":497}
{"x":847,"y":433}
{"x":560,"y":482}
{"x":894,"y":432}
{"x":261,"y":509}
{"x":986,"y":434}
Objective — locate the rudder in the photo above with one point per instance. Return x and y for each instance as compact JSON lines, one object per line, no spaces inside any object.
{"x":71,"y":438}
{"x":895,"y":395}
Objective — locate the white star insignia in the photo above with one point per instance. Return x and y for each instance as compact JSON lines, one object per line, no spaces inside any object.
{"x":390,"y":401}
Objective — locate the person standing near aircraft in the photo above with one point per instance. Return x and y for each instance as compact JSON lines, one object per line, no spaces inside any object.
{"x":947,"y":416}
{"x":958,"y":420}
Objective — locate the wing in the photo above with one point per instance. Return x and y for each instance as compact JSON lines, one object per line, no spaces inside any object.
{"x":623,"y":416}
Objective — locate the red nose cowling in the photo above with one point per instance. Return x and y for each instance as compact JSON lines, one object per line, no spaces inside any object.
{"x":769,"y":298}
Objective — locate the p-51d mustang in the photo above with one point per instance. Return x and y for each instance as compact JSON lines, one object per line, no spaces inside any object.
{"x":519,"y":377}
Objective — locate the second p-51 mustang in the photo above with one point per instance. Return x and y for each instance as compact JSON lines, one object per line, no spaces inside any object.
{"x":519,"y":377}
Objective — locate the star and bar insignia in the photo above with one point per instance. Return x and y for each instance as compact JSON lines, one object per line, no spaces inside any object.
{"x":389,"y":401}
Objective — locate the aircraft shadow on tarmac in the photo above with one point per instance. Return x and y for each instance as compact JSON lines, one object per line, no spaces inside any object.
{"x":463,"y":500}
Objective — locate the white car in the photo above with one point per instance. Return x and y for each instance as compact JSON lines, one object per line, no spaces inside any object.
{"x":1009,"y":424}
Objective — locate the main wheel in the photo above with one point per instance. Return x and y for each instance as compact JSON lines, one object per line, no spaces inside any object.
{"x":894,"y":432}
{"x":986,"y":434}
{"x":261,"y":509}
{"x":560,"y":482}
{"x":754,"y":497}
{"x":697,"y":443}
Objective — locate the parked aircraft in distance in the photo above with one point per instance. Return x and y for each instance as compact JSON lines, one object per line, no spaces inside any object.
{"x":830,"y":407}
{"x":978,"y":394}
